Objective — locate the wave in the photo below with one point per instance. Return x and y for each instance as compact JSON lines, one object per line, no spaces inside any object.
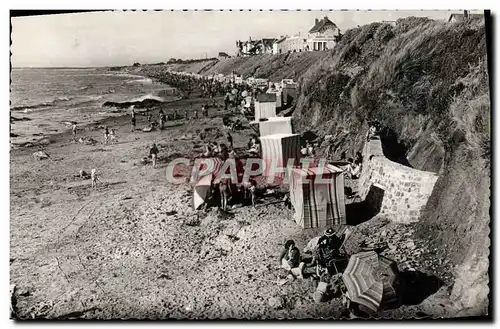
{"x":68,"y":100}
{"x":146,"y":81}
{"x":148,"y":96}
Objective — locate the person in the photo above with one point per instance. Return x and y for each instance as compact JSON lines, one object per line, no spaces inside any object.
{"x":150,"y":117}
{"x":93,"y":177}
{"x":287,"y":201}
{"x":208,"y":150}
{"x":371,"y":132}
{"x":196,"y":114}
{"x":224,"y":193}
{"x":186,"y":115}
{"x":133,"y":120}
{"x":253,"y":189}
{"x":215,"y":148}
{"x":291,"y":261}
{"x":309,"y":149}
{"x":230,"y":139}
{"x":324,"y":257}
{"x":106,"y":135}
{"x":160,"y":122}
{"x":73,"y":129}
{"x":154,"y":154}
{"x":113,"y":136}
{"x":334,"y":242}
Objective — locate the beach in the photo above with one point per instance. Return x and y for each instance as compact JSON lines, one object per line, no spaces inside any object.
{"x":134,"y":247}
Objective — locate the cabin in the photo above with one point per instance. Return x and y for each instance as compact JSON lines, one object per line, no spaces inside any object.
{"x":323,"y":35}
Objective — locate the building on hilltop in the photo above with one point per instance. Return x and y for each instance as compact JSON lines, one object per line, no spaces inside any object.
{"x":456,"y":18}
{"x":223,"y":55}
{"x":255,"y":47}
{"x":323,"y":35}
{"x":287,"y":44}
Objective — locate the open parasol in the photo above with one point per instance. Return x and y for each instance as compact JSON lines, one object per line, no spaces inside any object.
{"x":371,"y":280}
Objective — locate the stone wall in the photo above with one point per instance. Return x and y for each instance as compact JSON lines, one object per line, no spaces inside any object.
{"x":402,"y":191}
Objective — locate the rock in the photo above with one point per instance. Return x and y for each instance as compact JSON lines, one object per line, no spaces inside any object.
{"x":276,"y":302}
{"x":40,"y":155}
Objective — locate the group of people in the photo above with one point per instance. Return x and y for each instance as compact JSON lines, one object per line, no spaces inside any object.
{"x":328,"y":259}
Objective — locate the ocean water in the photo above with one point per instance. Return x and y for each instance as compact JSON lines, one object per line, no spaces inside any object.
{"x":51,"y":98}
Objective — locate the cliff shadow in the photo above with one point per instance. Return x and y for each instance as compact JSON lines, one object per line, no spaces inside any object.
{"x":359,"y":212}
{"x":392,"y":148}
{"x":417,"y":286}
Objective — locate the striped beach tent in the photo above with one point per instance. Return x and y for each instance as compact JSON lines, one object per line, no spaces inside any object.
{"x":317,"y":195}
{"x":371,"y":280}
{"x":202,"y":191}
{"x":276,"y":125}
{"x":278,"y":148}
{"x":265,"y":106}
{"x":205,"y":166}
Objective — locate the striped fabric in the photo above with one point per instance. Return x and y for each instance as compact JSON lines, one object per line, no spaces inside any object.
{"x":371,"y":280}
{"x":202,"y":191}
{"x":278,"y":97}
{"x":279,"y":148}
{"x":264,"y":110}
{"x":276,"y":125}
{"x":318,"y":203}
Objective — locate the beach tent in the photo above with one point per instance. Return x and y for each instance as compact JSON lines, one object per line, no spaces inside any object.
{"x":202,"y":191}
{"x":279,"y":148}
{"x":318,"y":203}
{"x":265,"y":106}
{"x":276,"y":125}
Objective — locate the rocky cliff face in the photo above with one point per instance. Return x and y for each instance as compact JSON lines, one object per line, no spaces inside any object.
{"x":427,"y":82}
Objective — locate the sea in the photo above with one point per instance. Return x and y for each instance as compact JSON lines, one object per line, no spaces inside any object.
{"x":49,"y":100}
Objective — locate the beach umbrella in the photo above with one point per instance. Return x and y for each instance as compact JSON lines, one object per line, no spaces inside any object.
{"x":244,"y":93}
{"x":234,"y":91}
{"x":371,"y":280}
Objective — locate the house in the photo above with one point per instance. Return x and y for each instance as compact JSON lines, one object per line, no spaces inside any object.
{"x":223,"y":55}
{"x":456,"y":18}
{"x":323,"y":35}
{"x":278,"y":45}
{"x":295,"y":43}
{"x":391,"y":23}
{"x":255,"y":47}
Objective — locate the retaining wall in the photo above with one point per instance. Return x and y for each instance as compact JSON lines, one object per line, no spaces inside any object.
{"x":404,"y":191}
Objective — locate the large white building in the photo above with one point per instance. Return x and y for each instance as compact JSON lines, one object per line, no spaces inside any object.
{"x":323,"y":35}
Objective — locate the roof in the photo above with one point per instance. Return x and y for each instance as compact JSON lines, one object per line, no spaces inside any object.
{"x":268,"y":42}
{"x":280,"y":40}
{"x":309,"y":172}
{"x":223,"y":54}
{"x":322,"y":23}
{"x":280,"y":136}
{"x":263,"y":98}
{"x":461,"y":17}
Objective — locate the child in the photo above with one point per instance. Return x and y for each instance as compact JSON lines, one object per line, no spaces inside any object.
{"x":290,"y":259}
{"x":93,"y":176}
{"x":253,"y":188}
{"x":106,"y":135}
{"x":114,"y":139}
{"x":154,"y":154}
{"x":74,"y":129}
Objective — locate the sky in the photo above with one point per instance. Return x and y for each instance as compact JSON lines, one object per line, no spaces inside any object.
{"x":123,"y":37}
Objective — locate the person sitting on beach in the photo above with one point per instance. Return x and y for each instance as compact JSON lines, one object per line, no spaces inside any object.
{"x":371,"y":132}
{"x":324,"y":256}
{"x":106,"y":135}
{"x":73,"y":129}
{"x":291,"y":261}
{"x":83,"y":174}
{"x":154,"y":154}
{"x":114,"y":138}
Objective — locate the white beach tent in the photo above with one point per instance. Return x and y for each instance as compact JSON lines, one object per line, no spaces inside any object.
{"x":279,"y":148}
{"x":276,"y":125}
{"x":265,"y":106}
{"x":318,"y":203}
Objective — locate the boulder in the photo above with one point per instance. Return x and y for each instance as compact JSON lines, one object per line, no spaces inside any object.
{"x":40,"y":155}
